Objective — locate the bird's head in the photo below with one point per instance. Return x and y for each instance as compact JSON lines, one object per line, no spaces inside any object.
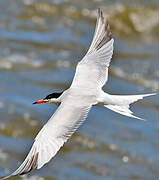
{"x":50,"y":99}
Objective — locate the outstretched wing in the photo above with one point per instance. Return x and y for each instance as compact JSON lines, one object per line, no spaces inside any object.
{"x":92,"y":70}
{"x":54,"y":134}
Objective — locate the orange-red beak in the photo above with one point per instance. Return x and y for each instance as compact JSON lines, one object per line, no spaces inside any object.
{"x":40,"y":101}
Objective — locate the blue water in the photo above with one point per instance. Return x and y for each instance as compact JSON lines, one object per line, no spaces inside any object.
{"x":40,"y":45}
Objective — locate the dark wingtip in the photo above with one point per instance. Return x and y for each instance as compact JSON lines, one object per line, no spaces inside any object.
{"x":99,"y":12}
{"x":108,"y":34}
{"x":34,"y":103}
{"x":100,"y":15}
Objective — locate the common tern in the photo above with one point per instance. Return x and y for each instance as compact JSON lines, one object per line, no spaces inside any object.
{"x":75,"y":103}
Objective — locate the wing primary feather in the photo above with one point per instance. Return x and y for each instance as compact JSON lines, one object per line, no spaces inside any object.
{"x":28,"y":165}
{"x":102,"y":33}
{"x":107,"y":37}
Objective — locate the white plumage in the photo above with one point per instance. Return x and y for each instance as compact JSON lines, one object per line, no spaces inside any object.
{"x":75,"y":103}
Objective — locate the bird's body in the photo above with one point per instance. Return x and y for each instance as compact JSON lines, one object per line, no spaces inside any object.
{"x":75,"y":102}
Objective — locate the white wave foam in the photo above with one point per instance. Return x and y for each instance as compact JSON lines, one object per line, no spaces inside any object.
{"x":9,"y":62}
{"x":1,"y":104}
{"x":3,"y":155}
{"x":136,"y":78}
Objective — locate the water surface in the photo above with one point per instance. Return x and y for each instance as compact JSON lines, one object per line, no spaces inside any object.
{"x":40,"y":45}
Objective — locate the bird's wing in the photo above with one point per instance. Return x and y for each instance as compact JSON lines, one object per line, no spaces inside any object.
{"x":54,"y":134}
{"x":92,"y":70}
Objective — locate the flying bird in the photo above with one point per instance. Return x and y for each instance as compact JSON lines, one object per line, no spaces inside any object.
{"x":75,"y":103}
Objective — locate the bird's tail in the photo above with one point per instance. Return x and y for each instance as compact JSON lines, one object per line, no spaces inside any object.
{"x":121,"y":103}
